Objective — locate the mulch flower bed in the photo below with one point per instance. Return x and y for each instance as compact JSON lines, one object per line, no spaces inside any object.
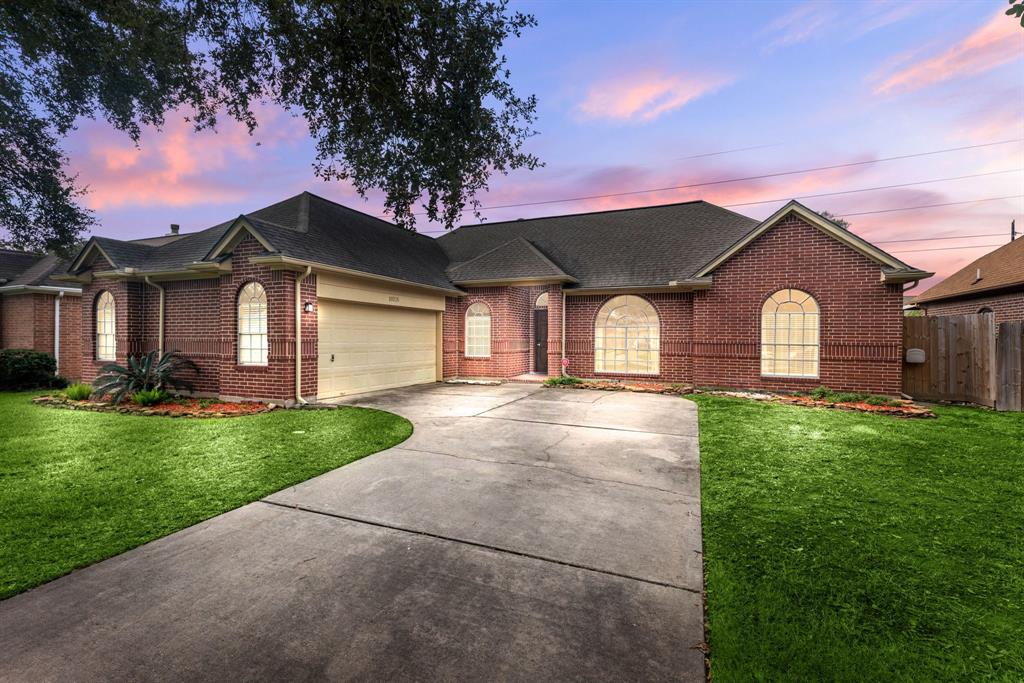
{"x":183,"y":407}
{"x":902,"y":408}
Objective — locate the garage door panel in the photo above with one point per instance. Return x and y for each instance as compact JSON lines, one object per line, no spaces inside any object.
{"x":365,"y":347}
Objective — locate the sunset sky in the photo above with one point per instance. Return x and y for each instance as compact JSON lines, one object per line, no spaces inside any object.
{"x":639,"y":95}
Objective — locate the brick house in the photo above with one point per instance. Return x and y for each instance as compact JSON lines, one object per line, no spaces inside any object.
{"x":993,"y":284}
{"x":38,"y":312}
{"x":310,"y":299}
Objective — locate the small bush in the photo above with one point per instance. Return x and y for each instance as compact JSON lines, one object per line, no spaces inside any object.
{"x":26,"y":369}
{"x":59,"y":382}
{"x":149,"y":397}
{"x":820,"y":393}
{"x":563,"y":381}
{"x":78,"y":391}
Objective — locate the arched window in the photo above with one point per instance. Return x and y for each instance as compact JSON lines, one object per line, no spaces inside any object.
{"x":790,"y":334}
{"x":106,"y":327}
{"x":252,"y":325}
{"x":478,"y":331}
{"x":626,"y":337}
{"x":542,"y":301}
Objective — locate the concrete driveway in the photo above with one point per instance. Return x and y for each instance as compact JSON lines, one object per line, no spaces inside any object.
{"x":521,"y":533}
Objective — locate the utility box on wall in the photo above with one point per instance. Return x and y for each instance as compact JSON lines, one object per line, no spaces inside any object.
{"x":915,"y":356}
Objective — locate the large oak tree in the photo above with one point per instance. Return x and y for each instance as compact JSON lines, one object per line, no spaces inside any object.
{"x":409,"y":96}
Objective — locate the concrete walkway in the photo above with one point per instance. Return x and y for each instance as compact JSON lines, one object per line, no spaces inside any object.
{"x":521,"y":533}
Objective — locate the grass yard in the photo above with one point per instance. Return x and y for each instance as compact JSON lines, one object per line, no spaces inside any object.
{"x":79,"y":487}
{"x":854,"y":547}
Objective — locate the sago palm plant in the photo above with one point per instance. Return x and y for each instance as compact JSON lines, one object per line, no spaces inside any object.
{"x":143,"y":373}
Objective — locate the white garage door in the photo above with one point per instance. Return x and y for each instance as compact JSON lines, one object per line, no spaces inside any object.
{"x":364,"y":347}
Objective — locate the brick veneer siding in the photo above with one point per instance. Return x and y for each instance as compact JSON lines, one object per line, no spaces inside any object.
{"x":1005,"y":307}
{"x":27,"y":322}
{"x":511,"y":338}
{"x":200,"y":321}
{"x":675,"y":316}
{"x":861,"y":318}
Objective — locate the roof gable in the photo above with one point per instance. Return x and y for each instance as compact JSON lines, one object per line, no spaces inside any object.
{"x":892,"y":268}
{"x":515,"y":260}
{"x":999,"y":269}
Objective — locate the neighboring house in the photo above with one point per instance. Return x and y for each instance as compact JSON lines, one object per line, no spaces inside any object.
{"x":686,"y":292}
{"x":992,"y":284}
{"x":38,"y":312}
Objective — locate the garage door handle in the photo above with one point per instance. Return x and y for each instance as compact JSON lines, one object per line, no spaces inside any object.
{"x":332,"y":357}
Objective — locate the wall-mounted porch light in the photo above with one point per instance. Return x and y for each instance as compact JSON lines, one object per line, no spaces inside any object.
{"x":308,"y":307}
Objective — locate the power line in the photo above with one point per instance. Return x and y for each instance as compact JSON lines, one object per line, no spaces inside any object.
{"x":976,"y":246}
{"x":726,"y":151}
{"x":932,"y":239}
{"x":723,"y":181}
{"x":932,"y":206}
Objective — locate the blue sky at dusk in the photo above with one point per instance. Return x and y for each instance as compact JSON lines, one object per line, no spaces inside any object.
{"x":631,"y":93}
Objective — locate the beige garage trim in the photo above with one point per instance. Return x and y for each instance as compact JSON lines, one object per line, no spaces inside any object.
{"x":373,"y":337}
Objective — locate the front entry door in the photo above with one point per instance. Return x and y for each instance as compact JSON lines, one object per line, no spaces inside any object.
{"x":540,"y":340}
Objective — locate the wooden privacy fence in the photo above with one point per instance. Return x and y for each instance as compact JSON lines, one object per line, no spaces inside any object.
{"x":964,"y":359}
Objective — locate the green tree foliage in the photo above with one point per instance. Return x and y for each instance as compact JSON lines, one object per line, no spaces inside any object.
{"x":841,"y":222}
{"x":1016,"y":10}
{"x":412,"y":97}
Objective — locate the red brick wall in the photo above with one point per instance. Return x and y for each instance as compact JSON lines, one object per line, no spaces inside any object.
{"x":200,"y":321}
{"x":511,"y":332}
{"x":1005,"y":307}
{"x":675,"y":315}
{"x":27,"y":322}
{"x":17,"y":325}
{"x":861,"y":318}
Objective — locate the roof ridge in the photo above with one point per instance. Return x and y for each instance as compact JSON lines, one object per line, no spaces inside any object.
{"x":594,"y":213}
{"x":367,"y":215}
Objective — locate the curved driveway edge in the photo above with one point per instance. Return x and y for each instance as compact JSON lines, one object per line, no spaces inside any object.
{"x":521,"y":533}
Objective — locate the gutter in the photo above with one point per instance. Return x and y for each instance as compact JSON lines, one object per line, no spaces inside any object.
{"x":56,"y":332}
{"x":298,"y":335}
{"x":160,"y":324}
{"x":279,"y":260}
{"x":561,"y":365}
{"x":41,"y":289}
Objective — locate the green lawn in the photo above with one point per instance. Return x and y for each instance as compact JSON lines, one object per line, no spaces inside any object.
{"x":845,"y":546}
{"x":78,"y":487}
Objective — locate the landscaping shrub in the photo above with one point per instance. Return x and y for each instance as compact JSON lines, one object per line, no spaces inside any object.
{"x":143,"y":373}
{"x":27,"y":369}
{"x":563,"y":381}
{"x":826,"y":394}
{"x":78,"y":391}
{"x":149,"y":397}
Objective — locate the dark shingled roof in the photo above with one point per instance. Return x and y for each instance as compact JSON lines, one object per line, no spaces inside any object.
{"x":621,"y":248}
{"x":35,"y":270}
{"x":310,"y":228}
{"x":516,"y":259}
{"x":14,"y":263}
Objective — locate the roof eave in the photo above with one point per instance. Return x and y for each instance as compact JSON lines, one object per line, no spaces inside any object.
{"x":39,"y":289}
{"x":687,"y":285}
{"x":894,"y":277}
{"x":520,"y":281}
{"x":986,"y":291}
{"x":283,"y":262}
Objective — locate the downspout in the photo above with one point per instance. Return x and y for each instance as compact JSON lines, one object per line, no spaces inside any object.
{"x":56,"y":332}
{"x":160,"y":319}
{"x":560,"y":363}
{"x":298,"y":335}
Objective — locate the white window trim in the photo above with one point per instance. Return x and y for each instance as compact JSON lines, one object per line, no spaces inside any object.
{"x":262,"y":350}
{"x":101,"y":301}
{"x":653,"y":336}
{"x":816,"y":345}
{"x":478,"y":305}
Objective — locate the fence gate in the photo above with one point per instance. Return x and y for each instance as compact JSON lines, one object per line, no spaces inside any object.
{"x":959,"y":358}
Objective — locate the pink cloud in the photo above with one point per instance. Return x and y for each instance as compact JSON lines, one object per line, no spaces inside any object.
{"x":645,"y":95}
{"x":997,"y":42}
{"x":176,"y":166}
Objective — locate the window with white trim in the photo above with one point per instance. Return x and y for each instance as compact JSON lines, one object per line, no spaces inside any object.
{"x":478,"y":331}
{"x":106,"y":327}
{"x":627,"y":337}
{"x":252,"y":325}
{"x":542,"y":301}
{"x":790,"y":335}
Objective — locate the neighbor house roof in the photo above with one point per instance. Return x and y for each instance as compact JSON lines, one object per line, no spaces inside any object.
{"x":999,"y":269}
{"x":20,"y":270}
{"x":648,"y":246}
